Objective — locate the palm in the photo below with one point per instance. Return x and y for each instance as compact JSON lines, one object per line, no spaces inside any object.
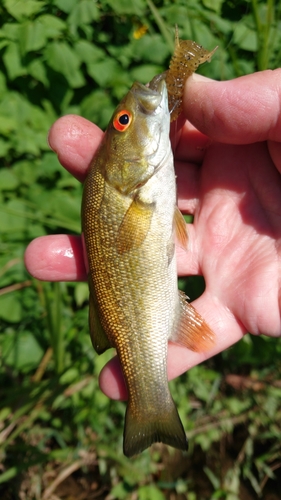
{"x":232,"y":186}
{"x":236,"y":235}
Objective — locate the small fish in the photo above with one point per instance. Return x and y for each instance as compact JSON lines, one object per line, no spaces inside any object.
{"x":130,"y":221}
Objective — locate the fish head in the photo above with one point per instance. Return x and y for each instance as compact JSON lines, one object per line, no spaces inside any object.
{"x":137,"y":138}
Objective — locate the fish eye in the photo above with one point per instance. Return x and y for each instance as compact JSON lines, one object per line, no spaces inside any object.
{"x":122,"y":120}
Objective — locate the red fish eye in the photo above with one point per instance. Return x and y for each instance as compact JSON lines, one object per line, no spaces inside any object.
{"x":122,"y":120}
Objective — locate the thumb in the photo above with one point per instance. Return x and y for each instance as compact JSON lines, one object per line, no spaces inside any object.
{"x":239,"y":111}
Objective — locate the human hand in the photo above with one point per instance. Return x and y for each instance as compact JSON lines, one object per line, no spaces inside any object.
{"x":228,"y":177}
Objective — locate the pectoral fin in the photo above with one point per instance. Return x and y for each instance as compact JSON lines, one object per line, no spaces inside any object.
{"x":180,"y":228}
{"x":193,"y":332}
{"x":99,"y":339}
{"x":135,"y":226}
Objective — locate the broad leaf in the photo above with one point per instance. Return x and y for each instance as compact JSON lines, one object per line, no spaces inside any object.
{"x":53,"y":25}
{"x":104,"y":72}
{"x":136,"y":7}
{"x":20,"y":349}
{"x":23,"y":9}
{"x":32,"y":36}
{"x":8,"y":180}
{"x":63,"y":59}
{"x":13,"y":62}
{"x":84,"y":12}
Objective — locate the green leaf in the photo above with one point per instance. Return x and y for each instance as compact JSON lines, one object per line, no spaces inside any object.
{"x":3,"y":86}
{"x":65,"y":207}
{"x":21,"y":349}
{"x":81,"y":293}
{"x":13,"y":62}
{"x":84,"y":12}
{"x":12,"y":217}
{"x":104,"y":72}
{"x":9,"y":474}
{"x":136,"y":7}
{"x":150,"y":492}
{"x":4,"y":147}
{"x":10,"y":308}
{"x":213,"y":5}
{"x":63,"y":59}
{"x":23,"y":9}
{"x":177,"y":14}
{"x":32,"y":123}
{"x":32,"y":36}
{"x":38,"y":71}
{"x":222,"y":25}
{"x":53,"y":25}
{"x":8,"y":180}
{"x":69,"y":376}
{"x":145,"y":72}
{"x":26,"y":171}
{"x":120,"y":491}
{"x":7,"y":125}
{"x":65,"y":5}
{"x":89,"y":53}
{"x":245,"y":38}
{"x":151,"y":48}
{"x":98,"y":114}
{"x":10,"y":31}
{"x":48,"y":165}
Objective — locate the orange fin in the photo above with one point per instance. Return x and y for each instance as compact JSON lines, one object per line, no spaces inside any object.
{"x":98,"y":336}
{"x":141,"y":431}
{"x":193,"y":331}
{"x":180,"y":229}
{"x":135,"y":226}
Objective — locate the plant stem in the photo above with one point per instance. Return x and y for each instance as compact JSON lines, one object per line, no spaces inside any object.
{"x":53,"y":305}
{"x":263,"y":32}
{"x":161,"y":25}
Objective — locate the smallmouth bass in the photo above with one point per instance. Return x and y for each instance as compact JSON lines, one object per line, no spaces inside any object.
{"x":130,"y":220}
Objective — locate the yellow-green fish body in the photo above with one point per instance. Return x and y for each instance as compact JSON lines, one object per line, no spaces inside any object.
{"x":130,"y":217}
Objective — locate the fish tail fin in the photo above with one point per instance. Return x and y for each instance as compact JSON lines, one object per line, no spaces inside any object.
{"x":142,"y":430}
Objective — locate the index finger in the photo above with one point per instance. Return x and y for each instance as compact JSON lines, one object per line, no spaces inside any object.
{"x":75,"y":140}
{"x":240,"y":111}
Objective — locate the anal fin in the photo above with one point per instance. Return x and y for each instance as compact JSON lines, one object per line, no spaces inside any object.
{"x":193,"y":332}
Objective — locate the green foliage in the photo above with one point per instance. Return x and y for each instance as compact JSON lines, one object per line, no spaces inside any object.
{"x":81,"y":56}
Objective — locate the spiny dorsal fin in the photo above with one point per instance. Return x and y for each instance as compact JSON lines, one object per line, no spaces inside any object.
{"x":135,"y":226}
{"x":180,"y":229}
{"x":193,"y":331}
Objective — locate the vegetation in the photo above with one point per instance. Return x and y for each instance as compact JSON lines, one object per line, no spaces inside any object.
{"x":60,"y":437}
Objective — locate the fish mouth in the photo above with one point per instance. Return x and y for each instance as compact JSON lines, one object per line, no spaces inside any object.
{"x":152,"y":97}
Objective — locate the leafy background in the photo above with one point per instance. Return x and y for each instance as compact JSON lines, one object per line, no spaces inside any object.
{"x":60,"y":437}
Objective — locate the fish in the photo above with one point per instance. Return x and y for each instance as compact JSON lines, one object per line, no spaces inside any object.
{"x":130,"y":222}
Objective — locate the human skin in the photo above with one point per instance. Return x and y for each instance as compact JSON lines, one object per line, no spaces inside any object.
{"x":228,"y":163}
